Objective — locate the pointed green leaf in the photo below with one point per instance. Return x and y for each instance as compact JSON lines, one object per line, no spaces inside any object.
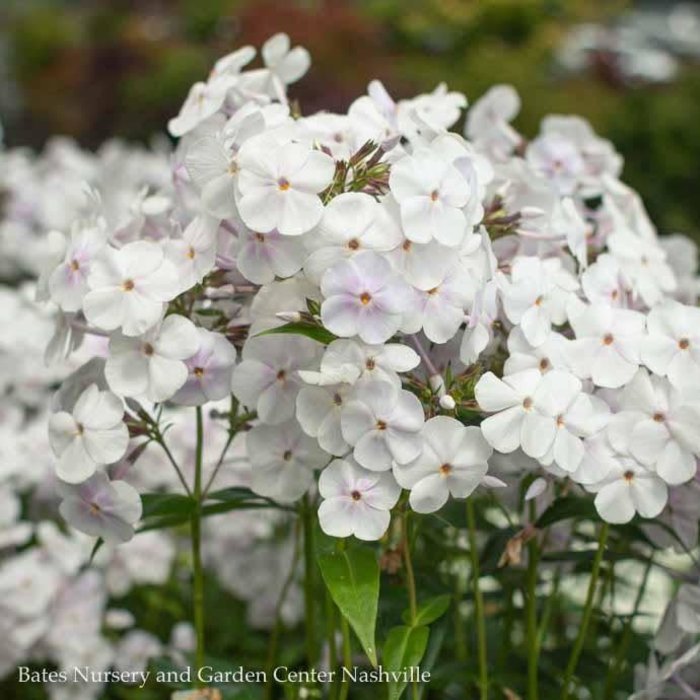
{"x":429,"y":611}
{"x":310,"y":330}
{"x":566,"y":508}
{"x":352,"y":579}
{"x":404,"y":647}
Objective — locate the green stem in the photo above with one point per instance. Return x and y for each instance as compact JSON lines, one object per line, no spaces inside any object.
{"x":621,"y":655}
{"x":478,"y":603}
{"x":459,"y":632}
{"x":347,"y":656}
{"x":533,"y":646}
{"x":587,"y":612}
{"x":274,"y":637}
{"x":309,"y":592}
{"x":345,"y":632}
{"x":196,"y":535}
{"x":332,"y":649}
{"x":410,"y":585}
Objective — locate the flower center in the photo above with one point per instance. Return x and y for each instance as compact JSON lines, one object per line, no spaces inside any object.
{"x":198,"y":371}
{"x":445,"y":469}
{"x":353,"y":244}
{"x":683,"y":343}
{"x":283,"y":184}
{"x":433,"y":291}
{"x":233,"y":168}
{"x":365,"y":298}
{"x":356,"y":495}
{"x":95,"y":509}
{"x":74,"y":265}
{"x":281,"y":375}
{"x":259,"y":237}
{"x":434,"y":196}
{"x":287,"y":456}
{"x":381,"y":425}
{"x":148,"y":349}
{"x":659,"y":417}
{"x":560,"y":421}
{"x":79,"y":429}
{"x":608,"y":339}
{"x":544,"y":364}
{"x":191,"y":253}
{"x":370,"y":364}
{"x":628,"y":476}
{"x":539,"y":300}
{"x":527,"y":403}
{"x":128,"y":285}
{"x":337,"y":399}
{"x":407,"y":245}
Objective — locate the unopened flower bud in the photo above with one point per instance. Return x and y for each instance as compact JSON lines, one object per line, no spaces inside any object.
{"x":447,"y":403}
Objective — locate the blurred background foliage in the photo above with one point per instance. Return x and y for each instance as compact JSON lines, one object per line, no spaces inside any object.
{"x":95,"y":69}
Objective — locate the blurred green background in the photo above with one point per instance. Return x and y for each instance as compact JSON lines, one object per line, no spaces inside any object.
{"x":95,"y":69}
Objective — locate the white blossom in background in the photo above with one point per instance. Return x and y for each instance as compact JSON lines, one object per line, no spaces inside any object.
{"x":91,"y":435}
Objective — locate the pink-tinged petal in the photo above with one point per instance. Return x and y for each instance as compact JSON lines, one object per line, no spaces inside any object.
{"x":614,"y":502}
{"x":340,"y":314}
{"x":335,"y":479}
{"x":376,"y":326}
{"x":336,"y":517}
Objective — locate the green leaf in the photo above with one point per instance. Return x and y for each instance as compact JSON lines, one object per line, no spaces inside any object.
{"x":404,"y":647}
{"x":95,"y":549}
{"x":159,"y":504}
{"x":429,"y":611}
{"x":566,"y":508}
{"x":310,"y":330}
{"x":352,"y":579}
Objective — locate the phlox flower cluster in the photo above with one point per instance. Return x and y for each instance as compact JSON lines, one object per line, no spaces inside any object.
{"x":390,"y":301}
